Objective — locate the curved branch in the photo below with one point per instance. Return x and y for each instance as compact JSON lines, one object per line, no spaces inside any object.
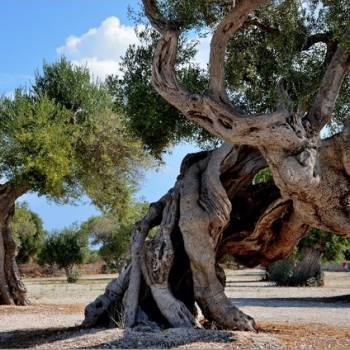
{"x":324,"y":103}
{"x":223,"y":33}
{"x":214,"y":113}
{"x":325,"y":38}
{"x":155,"y":17}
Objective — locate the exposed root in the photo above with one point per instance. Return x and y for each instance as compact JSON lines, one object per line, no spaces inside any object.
{"x":98,"y":311}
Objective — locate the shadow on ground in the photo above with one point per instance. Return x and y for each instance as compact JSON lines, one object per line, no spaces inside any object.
{"x":171,"y":338}
{"x":116,"y":338}
{"x":317,"y":302}
{"x":31,"y":337}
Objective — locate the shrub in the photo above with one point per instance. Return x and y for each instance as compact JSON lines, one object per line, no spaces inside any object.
{"x":303,"y":271}
{"x":65,"y":249}
{"x":73,"y":276}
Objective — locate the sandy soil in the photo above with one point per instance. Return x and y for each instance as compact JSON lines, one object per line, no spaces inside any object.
{"x":287,"y":317}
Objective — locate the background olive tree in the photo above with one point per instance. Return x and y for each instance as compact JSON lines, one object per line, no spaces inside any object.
{"x":62,"y":139}
{"x":65,"y":249}
{"x":111,"y":234}
{"x":28,"y":233}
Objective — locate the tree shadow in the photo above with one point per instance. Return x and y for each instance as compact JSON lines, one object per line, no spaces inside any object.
{"x":29,"y":338}
{"x":130,"y":339}
{"x":169,"y":338}
{"x":324,"y":302}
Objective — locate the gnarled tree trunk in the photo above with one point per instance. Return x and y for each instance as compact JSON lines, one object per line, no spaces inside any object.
{"x":214,"y":208}
{"x":12,"y":290}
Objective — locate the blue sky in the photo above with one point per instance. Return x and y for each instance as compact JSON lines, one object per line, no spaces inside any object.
{"x":92,"y":32}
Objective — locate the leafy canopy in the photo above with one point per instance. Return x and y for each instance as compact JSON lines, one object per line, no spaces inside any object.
{"x":286,"y":44}
{"x":147,"y":115}
{"x":332,"y":247}
{"x":62,"y":139}
{"x":112,"y":233}
{"x":64,"y":248}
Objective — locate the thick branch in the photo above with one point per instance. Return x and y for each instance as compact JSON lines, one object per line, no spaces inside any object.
{"x":323,"y":106}
{"x":211,"y":111}
{"x":140,"y":233}
{"x":223,"y":33}
{"x":156,"y":19}
{"x":158,"y":259}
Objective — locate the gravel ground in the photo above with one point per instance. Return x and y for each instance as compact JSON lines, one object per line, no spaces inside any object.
{"x":291,"y":318}
{"x":266,"y":302}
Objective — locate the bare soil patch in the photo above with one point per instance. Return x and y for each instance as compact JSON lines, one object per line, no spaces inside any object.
{"x":292,"y":318}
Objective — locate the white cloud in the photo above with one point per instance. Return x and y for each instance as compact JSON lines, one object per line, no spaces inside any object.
{"x":101,"y":48}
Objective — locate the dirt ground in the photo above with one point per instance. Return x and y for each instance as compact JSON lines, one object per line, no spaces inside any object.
{"x":292,"y":318}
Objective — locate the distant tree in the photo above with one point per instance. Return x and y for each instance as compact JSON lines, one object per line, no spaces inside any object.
{"x":28,"y":233}
{"x":304,"y":266}
{"x":112,"y":233}
{"x":65,"y":249}
{"x":61,"y":139}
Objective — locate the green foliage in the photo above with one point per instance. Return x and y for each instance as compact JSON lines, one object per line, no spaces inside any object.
{"x":331,"y":246}
{"x":262,"y":176}
{"x":149,"y":117}
{"x":64,"y":249}
{"x":112,"y":233}
{"x":258,"y":62}
{"x":93,"y":257}
{"x":35,"y":143}
{"x":71,"y":87}
{"x":73,"y":276}
{"x":62,"y":139}
{"x":295,"y":272}
{"x":28,"y":232}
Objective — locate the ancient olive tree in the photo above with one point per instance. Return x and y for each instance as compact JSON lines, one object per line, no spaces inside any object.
{"x":277,"y":75}
{"x":60,"y":139}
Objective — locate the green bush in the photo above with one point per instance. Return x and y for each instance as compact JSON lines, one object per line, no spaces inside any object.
{"x":304,"y":271}
{"x":65,"y":249}
{"x":73,"y":276}
{"x":304,"y":267}
{"x":28,"y":232}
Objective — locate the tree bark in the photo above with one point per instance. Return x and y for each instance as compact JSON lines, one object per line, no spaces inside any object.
{"x":12,"y":290}
{"x":214,"y":208}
